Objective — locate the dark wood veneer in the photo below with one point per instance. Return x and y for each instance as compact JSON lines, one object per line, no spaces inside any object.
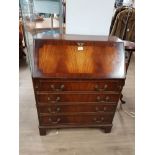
{"x":75,"y":87}
{"x":56,"y":109}
{"x":76,"y":119}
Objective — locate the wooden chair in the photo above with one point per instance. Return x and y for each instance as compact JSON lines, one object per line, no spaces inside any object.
{"x":129,"y":48}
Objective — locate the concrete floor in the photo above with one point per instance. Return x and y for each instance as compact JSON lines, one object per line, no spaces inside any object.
{"x":75,"y":141}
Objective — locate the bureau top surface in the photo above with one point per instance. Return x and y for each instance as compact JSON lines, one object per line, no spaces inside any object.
{"x":69,"y":37}
{"x":77,"y":56}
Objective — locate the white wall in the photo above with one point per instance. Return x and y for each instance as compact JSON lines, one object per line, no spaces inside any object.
{"x":90,"y":17}
{"x":46,"y":6}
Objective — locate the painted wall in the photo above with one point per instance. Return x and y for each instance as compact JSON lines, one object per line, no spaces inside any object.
{"x":90,"y":17}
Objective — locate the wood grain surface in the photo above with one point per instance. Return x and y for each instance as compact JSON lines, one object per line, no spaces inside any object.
{"x":61,"y":58}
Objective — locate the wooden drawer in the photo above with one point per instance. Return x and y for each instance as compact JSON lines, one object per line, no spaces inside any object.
{"x":76,"y":119}
{"x":57,"y":98}
{"x":54,"y":109}
{"x":59,"y":86}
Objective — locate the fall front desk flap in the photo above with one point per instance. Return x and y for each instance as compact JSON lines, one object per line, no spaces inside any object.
{"x":78,"y":57}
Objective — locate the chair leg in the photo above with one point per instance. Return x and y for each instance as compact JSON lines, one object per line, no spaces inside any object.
{"x":121,"y":99}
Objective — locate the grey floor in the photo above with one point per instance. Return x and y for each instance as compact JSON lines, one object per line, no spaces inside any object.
{"x":75,"y":141}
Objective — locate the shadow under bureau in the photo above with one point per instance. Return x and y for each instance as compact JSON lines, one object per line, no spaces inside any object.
{"x":77,"y":80}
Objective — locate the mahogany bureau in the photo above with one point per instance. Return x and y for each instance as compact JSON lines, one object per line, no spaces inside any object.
{"x":77,"y":80}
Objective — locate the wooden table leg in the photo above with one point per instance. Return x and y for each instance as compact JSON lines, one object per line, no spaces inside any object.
{"x":121,"y":99}
{"x":42,"y":131}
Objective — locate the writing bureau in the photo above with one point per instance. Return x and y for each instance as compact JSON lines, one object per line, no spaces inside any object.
{"x":77,"y":80}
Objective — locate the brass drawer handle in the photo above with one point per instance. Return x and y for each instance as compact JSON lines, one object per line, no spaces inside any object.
{"x":57,"y":89}
{"x":97,"y":109}
{"x":99,"y":120}
{"x":56,"y":122}
{"x":101,"y":100}
{"x":107,"y":98}
{"x":49,"y":110}
{"x":119,"y":87}
{"x":101,"y":89}
{"x":57,"y":99}
{"x":49,"y":119}
{"x":36,"y":87}
{"x":57,"y":110}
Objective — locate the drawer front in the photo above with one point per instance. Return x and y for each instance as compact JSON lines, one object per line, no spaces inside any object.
{"x":75,"y":119}
{"x":56,"y":109}
{"x":57,"y":98}
{"x":99,"y":86}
